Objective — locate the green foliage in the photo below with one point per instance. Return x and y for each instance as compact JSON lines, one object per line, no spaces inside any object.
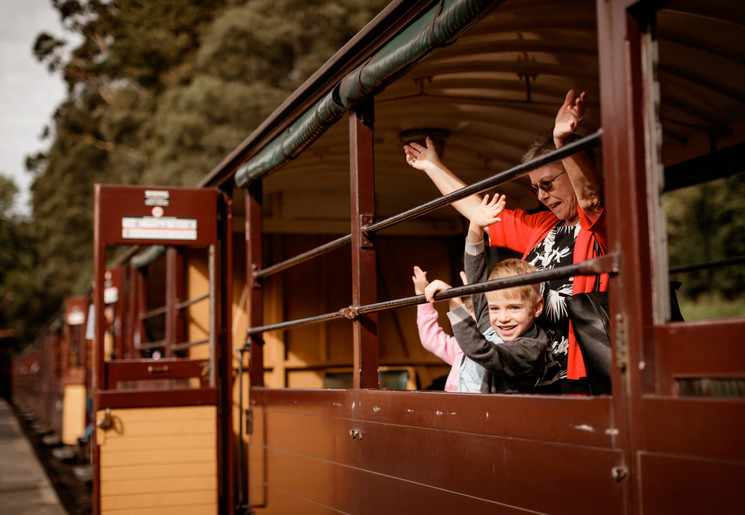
{"x":8,"y":192}
{"x":197,"y":125}
{"x":155,"y":41}
{"x":159,"y":92}
{"x":705,"y":224}
{"x":708,"y":306}
{"x":23,"y":304}
{"x":251,"y":58}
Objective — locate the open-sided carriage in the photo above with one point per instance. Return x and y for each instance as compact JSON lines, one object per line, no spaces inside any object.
{"x":269,"y":360}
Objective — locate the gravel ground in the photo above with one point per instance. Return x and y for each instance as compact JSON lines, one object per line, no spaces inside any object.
{"x":74,"y":493}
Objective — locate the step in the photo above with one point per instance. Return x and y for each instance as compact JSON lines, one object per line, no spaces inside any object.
{"x":64,"y":453}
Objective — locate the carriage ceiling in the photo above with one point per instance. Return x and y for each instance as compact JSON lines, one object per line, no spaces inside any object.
{"x":496,"y":88}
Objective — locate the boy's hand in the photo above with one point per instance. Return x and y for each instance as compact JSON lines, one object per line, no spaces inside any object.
{"x":420,"y":280}
{"x":489,"y":210}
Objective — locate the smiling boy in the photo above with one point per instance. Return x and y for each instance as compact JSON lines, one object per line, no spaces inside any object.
{"x":504,"y":348}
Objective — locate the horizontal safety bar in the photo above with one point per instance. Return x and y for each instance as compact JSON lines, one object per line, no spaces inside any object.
{"x":151,"y":345}
{"x":608,"y":264}
{"x":305,"y":256}
{"x":708,"y":266}
{"x":601,"y":265}
{"x":295,"y":323}
{"x":186,"y":345}
{"x":153,"y":313}
{"x":585,"y":143}
{"x":187,"y":303}
{"x":495,"y":180}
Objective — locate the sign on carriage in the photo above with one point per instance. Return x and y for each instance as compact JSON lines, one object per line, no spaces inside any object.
{"x":155,"y":228}
{"x":148,"y":215}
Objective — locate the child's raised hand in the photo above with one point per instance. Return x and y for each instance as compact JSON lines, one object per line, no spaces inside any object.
{"x":420,"y":280}
{"x":489,"y":210}
{"x":434,"y":288}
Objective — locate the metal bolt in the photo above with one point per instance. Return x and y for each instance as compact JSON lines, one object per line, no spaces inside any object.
{"x":619,"y":473}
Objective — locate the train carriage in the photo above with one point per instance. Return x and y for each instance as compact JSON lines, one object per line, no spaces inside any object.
{"x":37,"y":379}
{"x":485,"y":80}
{"x":263,"y":356}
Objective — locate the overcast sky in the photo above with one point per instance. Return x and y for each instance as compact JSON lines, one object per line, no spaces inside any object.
{"x":28,"y":93}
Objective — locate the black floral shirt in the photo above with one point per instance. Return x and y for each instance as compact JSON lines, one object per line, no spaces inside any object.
{"x":556,"y":249}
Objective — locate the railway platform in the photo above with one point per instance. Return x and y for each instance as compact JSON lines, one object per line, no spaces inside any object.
{"x":25,"y":488}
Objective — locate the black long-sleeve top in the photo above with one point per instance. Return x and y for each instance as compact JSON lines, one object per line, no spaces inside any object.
{"x":511,"y":367}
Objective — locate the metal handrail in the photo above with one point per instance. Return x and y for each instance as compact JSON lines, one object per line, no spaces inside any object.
{"x":607,"y":264}
{"x":153,"y":313}
{"x":186,"y":345}
{"x":151,"y":345}
{"x":707,"y":266}
{"x":490,"y":182}
{"x":187,"y":303}
{"x":585,"y":143}
{"x":589,"y":267}
{"x":301,"y":258}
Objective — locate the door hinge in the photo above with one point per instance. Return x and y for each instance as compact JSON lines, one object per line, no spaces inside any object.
{"x":249,"y":421}
{"x":621,"y":343}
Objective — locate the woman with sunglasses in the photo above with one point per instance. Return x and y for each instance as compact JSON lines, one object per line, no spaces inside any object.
{"x":570,"y":231}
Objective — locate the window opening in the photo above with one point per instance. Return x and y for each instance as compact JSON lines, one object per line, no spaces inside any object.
{"x":605,"y":264}
{"x":702,"y":119}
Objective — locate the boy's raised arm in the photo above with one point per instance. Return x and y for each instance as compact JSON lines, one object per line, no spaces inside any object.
{"x":475,"y":266}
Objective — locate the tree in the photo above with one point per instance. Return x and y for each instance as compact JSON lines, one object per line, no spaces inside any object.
{"x":8,"y":192}
{"x":159,"y":91}
{"x":705,"y":224}
{"x":130,"y":53}
{"x":252,"y":57}
{"x":23,"y":306}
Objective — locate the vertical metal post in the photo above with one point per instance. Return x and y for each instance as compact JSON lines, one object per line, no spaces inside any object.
{"x":241,"y":487}
{"x":170,"y":302}
{"x":254,"y":309}
{"x":255,"y":298}
{"x":99,"y":264}
{"x":622,"y":109}
{"x":213,"y":316}
{"x":140,"y":335}
{"x":364,"y":277}
{"x":221,"y":300}
{"x":131,"y":325}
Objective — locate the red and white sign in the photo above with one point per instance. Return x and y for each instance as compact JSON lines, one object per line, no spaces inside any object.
{"x":159,"y":228}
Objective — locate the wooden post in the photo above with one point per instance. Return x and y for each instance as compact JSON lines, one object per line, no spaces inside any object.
{"x":256,"y":294}
{"x":364,"y":278}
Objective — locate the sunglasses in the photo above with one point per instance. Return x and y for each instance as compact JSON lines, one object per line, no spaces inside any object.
{"x":546,"y":185}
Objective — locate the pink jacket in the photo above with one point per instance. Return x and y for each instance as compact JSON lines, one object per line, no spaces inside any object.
{"x":439,"y":343}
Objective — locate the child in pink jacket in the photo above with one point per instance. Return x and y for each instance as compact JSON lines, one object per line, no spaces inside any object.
{"x":433,"y":337}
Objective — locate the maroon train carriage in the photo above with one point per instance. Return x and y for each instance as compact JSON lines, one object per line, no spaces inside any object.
{"x":267,"y":359}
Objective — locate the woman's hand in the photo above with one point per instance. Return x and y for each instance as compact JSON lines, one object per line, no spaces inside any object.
{"x":569,"y":117}
{"x":420,"y":157}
